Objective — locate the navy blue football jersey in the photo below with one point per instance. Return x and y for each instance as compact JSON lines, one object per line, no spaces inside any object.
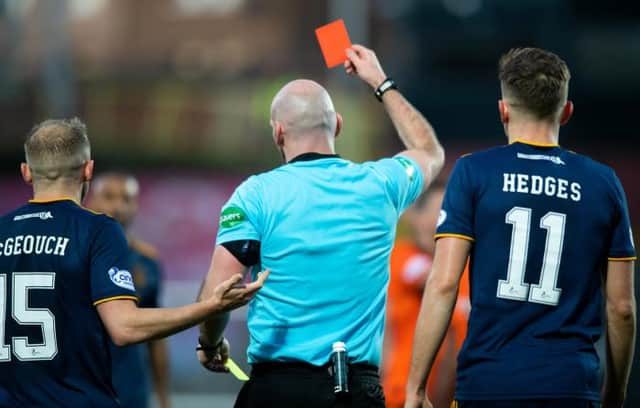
{"x":133,"y":361}
{"x":543,"y":221}
{"x":57,"y":262}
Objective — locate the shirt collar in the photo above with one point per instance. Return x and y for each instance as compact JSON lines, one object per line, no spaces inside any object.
{"x":52,"y":200}
{"x":535,"y":144}
{"x":311,"y":156}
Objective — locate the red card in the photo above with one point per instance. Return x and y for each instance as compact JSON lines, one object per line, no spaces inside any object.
{"x":333,"y":40}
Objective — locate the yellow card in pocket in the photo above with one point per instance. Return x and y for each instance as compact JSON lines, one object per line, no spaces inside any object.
{"x":235,"y":370}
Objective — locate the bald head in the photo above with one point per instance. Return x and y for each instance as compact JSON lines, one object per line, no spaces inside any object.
{"x":57,"y":149}
{"x":304,"y":107}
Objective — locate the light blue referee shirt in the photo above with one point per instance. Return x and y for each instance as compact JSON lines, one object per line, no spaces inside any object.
{"x":326,"y":227}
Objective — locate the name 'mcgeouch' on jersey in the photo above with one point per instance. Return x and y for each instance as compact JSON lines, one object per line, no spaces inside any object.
{"x":544,"y":221}
{"x":57,"y":262}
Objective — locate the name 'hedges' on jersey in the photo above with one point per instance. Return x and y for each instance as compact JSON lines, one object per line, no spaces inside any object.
{"x":55,"y":266}
{"x":544,"y":222}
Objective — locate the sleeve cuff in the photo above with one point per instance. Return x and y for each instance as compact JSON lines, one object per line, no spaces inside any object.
{"x":621,"y":259}
{"x":109,"y":299}
{"x":460,"y":236}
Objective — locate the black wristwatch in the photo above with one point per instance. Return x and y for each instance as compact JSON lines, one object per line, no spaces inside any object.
{"x":207,"y":347}
{"x":386,"y":85}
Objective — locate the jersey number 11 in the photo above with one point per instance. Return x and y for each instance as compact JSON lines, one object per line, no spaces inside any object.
{"x":514,"y":287}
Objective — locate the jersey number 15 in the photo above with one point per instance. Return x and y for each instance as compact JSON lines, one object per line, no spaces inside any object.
{"x":22,"y":282}
{"x":514,"y":287}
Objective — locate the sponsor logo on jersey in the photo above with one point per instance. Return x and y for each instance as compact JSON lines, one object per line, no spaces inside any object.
{"x":552,"y":159}
{"x":232,"y":216}
{"x":44,"y":215}
{"x":122,"y":278}
{"x":408,"y":167}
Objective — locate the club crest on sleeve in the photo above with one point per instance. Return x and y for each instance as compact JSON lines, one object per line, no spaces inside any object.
{"x":442,"y":217}
{"x":122,"y":278}
{"x":232,"y":216}
{"x":408,"y":167}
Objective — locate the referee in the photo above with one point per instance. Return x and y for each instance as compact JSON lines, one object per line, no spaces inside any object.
{"x":325,"y":227}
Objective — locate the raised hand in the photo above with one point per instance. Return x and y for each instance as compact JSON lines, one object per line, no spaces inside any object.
{"x":364,"y":63}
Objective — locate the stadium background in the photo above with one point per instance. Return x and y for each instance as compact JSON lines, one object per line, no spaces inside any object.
{"x":178,"y":92}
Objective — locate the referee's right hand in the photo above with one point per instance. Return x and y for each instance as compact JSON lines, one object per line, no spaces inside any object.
{"x":363,"y":62}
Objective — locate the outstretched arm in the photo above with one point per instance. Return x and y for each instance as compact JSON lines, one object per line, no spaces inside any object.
{"x":128,"y":324}
{"x":414,"y":130}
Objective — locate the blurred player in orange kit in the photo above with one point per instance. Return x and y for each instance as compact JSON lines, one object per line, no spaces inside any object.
{"x":410,"y":266}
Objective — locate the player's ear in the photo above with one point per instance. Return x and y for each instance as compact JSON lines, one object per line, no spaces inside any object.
{"x":504,"y":111}
{"x":87,"y":171}
{"x":567,"y":112}
{"x":26,"y":173}
{"x":278,"y":133}
{"x":338,"y":124}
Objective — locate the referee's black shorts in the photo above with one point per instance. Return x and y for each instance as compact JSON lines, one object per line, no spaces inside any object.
{"x":290,"y":385}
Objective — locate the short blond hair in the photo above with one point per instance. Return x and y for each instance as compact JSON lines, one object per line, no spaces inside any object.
{"x":57,"y":148}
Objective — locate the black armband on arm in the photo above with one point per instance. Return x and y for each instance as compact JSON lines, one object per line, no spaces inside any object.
{"x":247,"y":251}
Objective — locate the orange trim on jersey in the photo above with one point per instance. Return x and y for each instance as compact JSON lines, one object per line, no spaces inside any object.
{"x":461,"y":236}
{"x":53,"y":200}
{"x":537,"y":144}
{"x":97,"y":302}
{"x":92,"y":211}
{"x":628,"y":258}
